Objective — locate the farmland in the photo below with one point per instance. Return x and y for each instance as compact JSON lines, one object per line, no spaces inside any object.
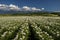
{"x":29,"y":28}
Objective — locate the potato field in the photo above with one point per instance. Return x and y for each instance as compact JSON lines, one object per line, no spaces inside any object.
{"x":29,"y":28}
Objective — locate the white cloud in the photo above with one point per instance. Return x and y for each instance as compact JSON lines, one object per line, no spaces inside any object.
{"x":16,"y":8}
{"x":26,"y":8}
{"x":9,"y":7}
{"x":35,"y":9}
{"x":42,"y":8}
{"x":13,"y":7}
{"x":3,"y":6}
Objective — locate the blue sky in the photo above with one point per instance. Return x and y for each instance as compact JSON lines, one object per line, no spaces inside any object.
{"x":48,"y":5}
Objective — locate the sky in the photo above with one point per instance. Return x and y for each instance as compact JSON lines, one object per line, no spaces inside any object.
{"x":47,"y":5}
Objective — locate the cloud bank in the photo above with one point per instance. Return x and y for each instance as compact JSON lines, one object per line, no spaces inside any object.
{"x":9,"y":7}
{"x":16,"y":8}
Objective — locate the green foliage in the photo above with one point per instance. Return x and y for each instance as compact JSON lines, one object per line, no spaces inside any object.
{"x":29,"y":28}
{"x":32,"y":14}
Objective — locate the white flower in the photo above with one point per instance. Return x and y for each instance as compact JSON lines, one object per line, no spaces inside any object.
{"x":40,"y":36}
{"x":4,"y":34}
{"x":50,"y":36}
{"x":51,"y":39}
{"x":37,"y":32}
{"x":16,"y":37}
{"x":24,"y":33}
{"x":23,"y":37}
{"x":45,"y":32}
{"x":58,"y":34}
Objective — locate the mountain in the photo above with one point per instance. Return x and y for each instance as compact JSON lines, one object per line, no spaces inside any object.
{"x":12,"y":11}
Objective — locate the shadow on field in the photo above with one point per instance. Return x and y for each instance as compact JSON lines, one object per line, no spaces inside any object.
{"x":32,"y":33}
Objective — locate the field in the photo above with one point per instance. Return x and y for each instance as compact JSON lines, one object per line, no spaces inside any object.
{"x":29,"y":28}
